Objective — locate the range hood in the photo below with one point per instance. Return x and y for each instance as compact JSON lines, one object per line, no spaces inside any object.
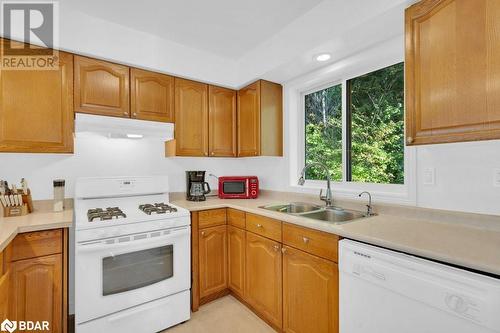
{"x":114,"y":127}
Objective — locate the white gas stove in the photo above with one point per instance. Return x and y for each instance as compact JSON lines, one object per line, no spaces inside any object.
{"x":132,"y":256}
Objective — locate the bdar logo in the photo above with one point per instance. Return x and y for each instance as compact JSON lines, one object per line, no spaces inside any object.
{"x":8,"y":326}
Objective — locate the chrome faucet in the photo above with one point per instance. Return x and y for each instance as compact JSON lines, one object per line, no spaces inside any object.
{"x":328,"y":198}
{"x":369,"y":208}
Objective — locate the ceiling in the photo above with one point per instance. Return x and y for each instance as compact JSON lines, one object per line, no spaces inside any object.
{"x":230,"y":42}
{"x":228,"y":28}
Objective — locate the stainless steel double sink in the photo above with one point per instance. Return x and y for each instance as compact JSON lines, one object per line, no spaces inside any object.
{"x":334,"y":215}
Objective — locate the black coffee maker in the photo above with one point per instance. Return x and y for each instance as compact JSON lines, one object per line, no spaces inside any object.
{"x":196,"y":186}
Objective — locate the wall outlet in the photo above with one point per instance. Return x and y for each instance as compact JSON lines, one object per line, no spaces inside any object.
{"x":429,"y":176}
{"x":496,"y":177}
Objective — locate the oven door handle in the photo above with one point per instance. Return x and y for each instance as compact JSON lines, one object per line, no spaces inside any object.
{"x":150,"y":241}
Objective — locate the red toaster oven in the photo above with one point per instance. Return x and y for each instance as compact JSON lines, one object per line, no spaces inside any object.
{"x":238,"y":187}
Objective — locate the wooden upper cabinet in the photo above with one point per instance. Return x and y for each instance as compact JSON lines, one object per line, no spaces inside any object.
{"x":260,"y":119}
{"x":191,"y":118}
{"x":213,"y":260}
{"x":36,"y":109}
{"x":249,"y":120}
{"x":263,"y":277}
{"x":310,"y":293}
{"x":222,"y":121}
{"x":151,"y":96}
{"x":236,"y":259}
{"x":452,"y":71}
{"x":101,"y":87}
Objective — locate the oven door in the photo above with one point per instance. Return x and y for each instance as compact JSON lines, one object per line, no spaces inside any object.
{"x":115,"y":274}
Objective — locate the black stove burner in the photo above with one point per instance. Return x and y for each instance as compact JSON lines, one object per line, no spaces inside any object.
{"x":104,"y":215}
{"x":157,"y":208}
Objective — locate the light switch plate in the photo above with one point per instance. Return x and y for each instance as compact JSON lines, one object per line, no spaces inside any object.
{"x":429,"y":176}
{"x":496,"y":177}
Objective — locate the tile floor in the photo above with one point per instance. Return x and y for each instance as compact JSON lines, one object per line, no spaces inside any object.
{"x":225,"y":315}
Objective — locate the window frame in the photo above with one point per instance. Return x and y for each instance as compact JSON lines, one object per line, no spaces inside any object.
{"x":341,"y":72}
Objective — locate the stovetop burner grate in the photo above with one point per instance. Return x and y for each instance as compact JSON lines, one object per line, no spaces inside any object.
{"x":157,"y":208}
{"x":105,"y":214}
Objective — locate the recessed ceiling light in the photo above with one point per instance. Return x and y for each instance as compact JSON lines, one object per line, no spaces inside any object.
{"x":323,"y":57}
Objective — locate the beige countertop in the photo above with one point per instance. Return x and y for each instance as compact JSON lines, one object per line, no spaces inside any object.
{"x":463,"y":239}
{"x":42,"y":218}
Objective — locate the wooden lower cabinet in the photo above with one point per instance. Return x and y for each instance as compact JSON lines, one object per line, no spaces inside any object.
{"x":36,"y":290}
{"x":4,"y":295}
{"x":236,"y":260}
{"x":263,"y":285}
{"x":310,"y":293}
{"x":213,"y":260}
{"x":292,"y":286}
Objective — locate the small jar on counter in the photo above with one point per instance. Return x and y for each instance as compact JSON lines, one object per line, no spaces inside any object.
{"x":59,"y":195}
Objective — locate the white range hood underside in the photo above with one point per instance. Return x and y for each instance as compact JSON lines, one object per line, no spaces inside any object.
{"x":115,"y":127}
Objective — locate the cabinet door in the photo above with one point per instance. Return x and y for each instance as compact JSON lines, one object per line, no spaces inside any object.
{"x":271,"y":122}
{"x":452,"y":71}
{"x":236,"y":259}
{"x":101,"y":87}
{"x":191,"y":118}
{"x":152,"y":96}
{"x":36,"y":293}
{"x":36,"y":112}
{"x":213,"y":260}
{"x":222,"y":121}
{"x":4,"y":295}
{"x":249,"y":120}
{"x":263,"y":288}
{"x":310,"y":293}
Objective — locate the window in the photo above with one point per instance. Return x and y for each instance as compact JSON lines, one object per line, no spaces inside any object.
{"x":323,"y":125}
{"x":375,"y":109}
{"x":374,"y":128}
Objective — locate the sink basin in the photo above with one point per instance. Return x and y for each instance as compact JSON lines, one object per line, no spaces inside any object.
{"x":337,"y":216}
{"x":293,"y":208}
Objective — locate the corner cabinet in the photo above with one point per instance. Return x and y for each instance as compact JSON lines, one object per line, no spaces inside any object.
{"x":151,"y":96}
{"x":260,"y":119}
{"x":452,"y":71}
{"x":213,"y":260}
{"x":191,"y":118}
{"x":101,"y":88}
{"x":36,"y":109}
{"x":236,"y":260}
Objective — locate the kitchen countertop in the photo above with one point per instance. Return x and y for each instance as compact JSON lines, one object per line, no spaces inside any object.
{"x":463,"y":239}
{"x":42,"y":218}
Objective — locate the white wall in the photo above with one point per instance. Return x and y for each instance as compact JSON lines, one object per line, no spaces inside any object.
{"x":99,"y":156}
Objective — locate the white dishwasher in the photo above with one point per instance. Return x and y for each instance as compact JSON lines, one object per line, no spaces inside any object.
{"x":383,"y":291}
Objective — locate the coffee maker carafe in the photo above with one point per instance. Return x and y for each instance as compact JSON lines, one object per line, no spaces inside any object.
{"x":196,"y":186}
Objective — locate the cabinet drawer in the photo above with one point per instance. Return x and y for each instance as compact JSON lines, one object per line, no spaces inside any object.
{"x":319,"y":243}
{"x":36,"y":244}
{"x":264,"y":226}
{"x":236,"y":218}
{"x":211,"y":218}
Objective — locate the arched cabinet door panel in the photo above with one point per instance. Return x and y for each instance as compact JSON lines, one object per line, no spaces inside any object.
{"x":101,"y":88}
{"x":452,"y":71}
{"x":152,"y":96}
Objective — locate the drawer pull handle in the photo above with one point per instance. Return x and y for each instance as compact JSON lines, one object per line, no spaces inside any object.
{"x":283,"y":249}
{"x":259,"y":225}
{"x":305,"y":239}
{"x":276,"y":248}
{"x":203,"y":233}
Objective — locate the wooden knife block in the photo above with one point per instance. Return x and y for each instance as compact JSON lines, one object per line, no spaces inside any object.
{"x":25,"y":209}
